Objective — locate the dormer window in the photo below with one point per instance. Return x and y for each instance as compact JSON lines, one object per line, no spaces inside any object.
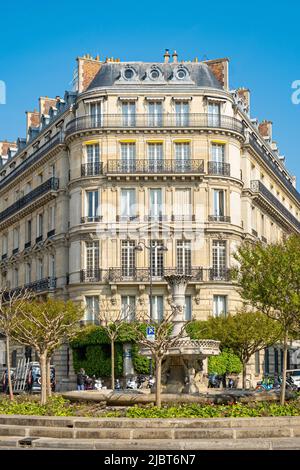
{"x":129,"y":73}
{"x":181,"y":73}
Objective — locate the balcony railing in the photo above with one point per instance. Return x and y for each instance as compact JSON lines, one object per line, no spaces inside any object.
{"x":92,"y":169}
{"x":165,"y":120}
{"x":39,"y":239}
{"x":51,"y":233}
{"x":143,"y":274}
{"x":156,"y":167}
{"x":27,"y":245}
{"x":258,"y":187}
{"x":31,"y":159}
{"x":218,"y":168}
{"x":219,"y":274}
{"x":87,"y":219}
{"x":48,"y":283}
{"x":51,"y":184}
{"x":254,"y":233}
{"x":91,"y":275}
{"x":263,"y":153}
{"x":15,"y":251}
{"x":3,"y":257}
{"x":219,"y":218}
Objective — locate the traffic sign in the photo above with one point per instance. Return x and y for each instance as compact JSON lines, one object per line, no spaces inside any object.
{"x":150,"y":333}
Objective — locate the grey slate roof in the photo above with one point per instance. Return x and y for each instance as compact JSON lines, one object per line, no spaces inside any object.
{"x":110,"y":72}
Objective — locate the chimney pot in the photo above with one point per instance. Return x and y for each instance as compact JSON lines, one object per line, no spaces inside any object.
{"x":175,"y":57}
{"x":166,"y":56}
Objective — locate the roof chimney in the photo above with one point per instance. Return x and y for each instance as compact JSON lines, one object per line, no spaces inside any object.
{"x":175,"y":57}
{"x":166,"y":56}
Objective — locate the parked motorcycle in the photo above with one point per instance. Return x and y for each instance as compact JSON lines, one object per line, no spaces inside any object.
{"x":131,"y":384}
{"x":214,"y":381}
{"x":97,"y":385}
{"x":118,"y":385}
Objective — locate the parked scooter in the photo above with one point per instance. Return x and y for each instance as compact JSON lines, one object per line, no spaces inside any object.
{"x":131,"y":384}
{"x":97,"y":383}
{"x":118,"y":385}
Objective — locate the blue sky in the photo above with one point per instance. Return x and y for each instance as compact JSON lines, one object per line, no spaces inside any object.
{"x":40,"y":42}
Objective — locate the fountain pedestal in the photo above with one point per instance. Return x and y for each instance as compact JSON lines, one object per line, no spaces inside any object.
{"x":182,"y":370}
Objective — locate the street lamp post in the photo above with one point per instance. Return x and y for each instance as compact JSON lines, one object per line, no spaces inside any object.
{"x":151,"y":248}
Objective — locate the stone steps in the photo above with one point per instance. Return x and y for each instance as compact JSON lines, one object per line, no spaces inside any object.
{"x":125,"y":433}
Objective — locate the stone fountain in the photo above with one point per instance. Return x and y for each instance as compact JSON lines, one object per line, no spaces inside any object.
{"x":182,"y":370}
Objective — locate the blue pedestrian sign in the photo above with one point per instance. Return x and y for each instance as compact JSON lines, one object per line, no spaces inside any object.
{"x":150,"y":333}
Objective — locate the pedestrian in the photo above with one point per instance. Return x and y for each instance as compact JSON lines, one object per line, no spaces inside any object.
{"x":81,"y":379}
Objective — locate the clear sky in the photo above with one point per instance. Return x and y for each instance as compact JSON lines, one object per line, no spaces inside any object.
{"x":41,"y":40}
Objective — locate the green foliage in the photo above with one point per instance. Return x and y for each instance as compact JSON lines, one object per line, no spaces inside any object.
{"x":236,"y":410}
{"x":226,"y":363}
{"x":141,"y":363}
{"x":96,"y":360}
{"x":28,"y":405}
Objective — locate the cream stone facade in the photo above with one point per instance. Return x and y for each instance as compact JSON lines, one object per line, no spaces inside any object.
{"x":159,"y":153}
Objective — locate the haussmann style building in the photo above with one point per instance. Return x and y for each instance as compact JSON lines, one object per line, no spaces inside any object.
{"x":159,"y":154}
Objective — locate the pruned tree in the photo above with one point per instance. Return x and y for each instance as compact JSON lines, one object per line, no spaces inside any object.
{"x":12,"y":303}
{"x":112,"y":318}
{"x":269,"y":280}
{"x":45,"y":326}
{"x":163,"y":342}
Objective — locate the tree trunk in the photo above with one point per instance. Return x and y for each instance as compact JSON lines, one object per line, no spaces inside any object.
{"x":244,"y":374}
{"x":43,"y":366}
{"x":112,"y":364}
{"x":158,"y":381}
{"x":11,"y":393}
{"x":283,"y":384}
{"x":49,"y":390}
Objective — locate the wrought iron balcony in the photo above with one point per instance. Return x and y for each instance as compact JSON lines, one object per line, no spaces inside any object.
{"x":218,"y":168}
{"x":47,"y":283}
{"x":254,"y":233}
{"x":219,"y":274}
{"x":92,"y":169}
{"x":154,"y":167}
{"x":219,"y":218}
{"x":39,"y":239}
{"x":143,"y":274}
{"x":263,"y":239}
{"x":88,"y":219}
{"x":27,"y":245}
{"x":183,"y":218}
{"x":3,"y":257}
{"x":51,"y":233}
{"x":15,"y":251}
{"x":51,"y":184}
{"x":33,"y":158}
{"x":164,"y":120}
{"x":266,"y":156}
{"x":278,"y":208}
{"x":91,"y":275}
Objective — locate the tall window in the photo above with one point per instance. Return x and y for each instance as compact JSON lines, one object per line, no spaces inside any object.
{"x":155,"y":113}
{"x":28,"y":273}
{"x":262,"y":225}
{"x":39,"y":269}
{"x":95,"y":113}
{"x":219,"y":203}
{"x":128,"y":307}
{"x":219,"y":258}
{"x":156,"y":258}
{"x":157,"y":308}
{"x":219,"y":305}
{"x":93,"y":159}
{"x":182,"y":204}
{"x":276,"y":361}
{"x":182,"y":113}
{"x":156,"y":204}
{"x":91,"y":309}
{"x":128,"y":204}
{"x":155,"y":156}
{"x":92,"y":201}
{"x":183,"y":252}
{"x":51,"y":218}
{"x":214,"y":114}
{"x":188,"y":308}
{"x":128,"y":156}
{"x":40,"y":223}
{"x":16,"y":238}
{"x":128,"y":113}
{"x":267,"y":361}
{"x":4,"y":244}
{"x":92,"y":259}
{"x":182,"y":156}
{"x":218,"y":158}
{"x":28,"y":231}
{"x":128,"y":258}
